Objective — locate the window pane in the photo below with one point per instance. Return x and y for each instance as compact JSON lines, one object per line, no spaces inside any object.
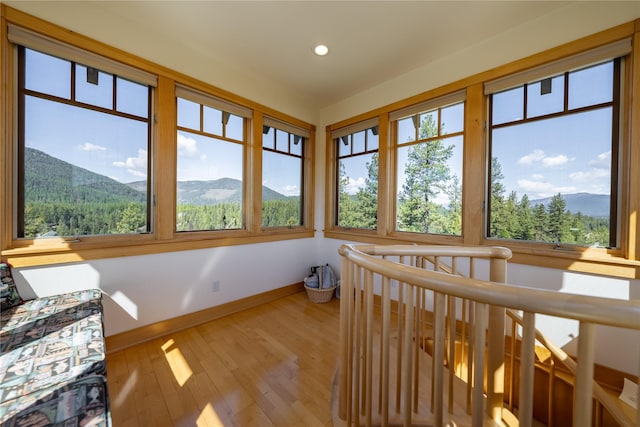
{"x":212,"y":121}
{"x":209,"y":187}
{"x":296,"y":145}
{"x":85,"y":172}
{"x":344,"y":146}
{"x":235,"y":127}
{"x":268,"y":139}
{"x":372,"y":139}
{"x":406,"y":130}
{"x":282,"y":141}
{"x":430,"y":187}
{"x":426,"y":130}
{"x":508,"y":106}
{"x":551,"y":179}
{"x":188,"y":114}
{"x":100,"y":94}
{"x":281,"y":196}
{"x":539,"y":102}
{"x":452,"y":119}
{"x":358,"y":191}
{"x":358,"y":142}
{"x":47,"y":74}
{"x":591,"y":86}
{"x":132,"y":98}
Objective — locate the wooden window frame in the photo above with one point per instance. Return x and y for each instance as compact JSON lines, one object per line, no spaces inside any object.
{"x":616,"y":143}
{"x":305,"y":192}
{"x":163,"y":152}
{"x":623,"y":261}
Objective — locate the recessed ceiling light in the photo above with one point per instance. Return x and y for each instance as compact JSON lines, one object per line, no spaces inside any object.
{"x":321,"y":50}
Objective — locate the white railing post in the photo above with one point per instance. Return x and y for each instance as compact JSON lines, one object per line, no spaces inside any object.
{"x":495,"y":350}
{"x":583,"y":392}
{"x":345,"y":338}
{"x":527,"y":360}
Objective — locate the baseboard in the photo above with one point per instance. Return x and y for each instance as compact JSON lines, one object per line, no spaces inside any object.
{"x":130,"y":338}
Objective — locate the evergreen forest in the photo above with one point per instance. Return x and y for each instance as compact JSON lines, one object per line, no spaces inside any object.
{"x":61,"y":199}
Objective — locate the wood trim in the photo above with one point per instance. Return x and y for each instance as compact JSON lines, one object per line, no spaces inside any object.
{"x":30,"y":258}
{"x":165,"y":149}
{"x":136,"y":336}
{"x":253,"y":186}
{"x":633,"y":213}
{"x":386,"y":207}
{"x":6,"y":133}
{"x":474,"y":166}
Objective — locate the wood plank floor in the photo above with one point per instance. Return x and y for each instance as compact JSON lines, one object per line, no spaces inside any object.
{"x":271,"y":365}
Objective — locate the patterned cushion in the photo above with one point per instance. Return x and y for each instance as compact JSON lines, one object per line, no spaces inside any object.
{"x":9,"y":296}
{"x":73,"y":306}
{"x":81,"y":402}
{"x":50,"y":341}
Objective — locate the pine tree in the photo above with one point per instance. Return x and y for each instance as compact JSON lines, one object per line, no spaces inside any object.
{"x":427,"y":175}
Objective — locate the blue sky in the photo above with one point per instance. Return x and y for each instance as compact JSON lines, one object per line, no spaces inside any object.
{"x":543,"y":158}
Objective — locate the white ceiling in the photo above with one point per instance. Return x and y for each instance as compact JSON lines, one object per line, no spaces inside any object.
{"x":271,"y":42}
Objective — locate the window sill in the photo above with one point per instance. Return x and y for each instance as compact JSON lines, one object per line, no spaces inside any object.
{"x":592,"y":261}
{"x":35,"y":255}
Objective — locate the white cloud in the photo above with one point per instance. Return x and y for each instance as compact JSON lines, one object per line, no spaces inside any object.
{"x":539,"y":156}
{"x":603,"y":160}
{"x":291,"y":190}
{"x":558,"y":160}
{"x":589,"y":176}
{"x":136,"y":166}
{"x":537,"y":189}
{"x":354,"y":185}
{"x":87,"y":146}
{"x":534,"y":156}
{"x":188,"y":147}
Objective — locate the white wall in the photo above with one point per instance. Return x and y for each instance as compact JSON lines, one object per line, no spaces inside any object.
{"x":141,"y":290}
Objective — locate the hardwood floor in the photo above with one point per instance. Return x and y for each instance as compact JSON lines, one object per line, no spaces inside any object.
{"x":271,"y":365}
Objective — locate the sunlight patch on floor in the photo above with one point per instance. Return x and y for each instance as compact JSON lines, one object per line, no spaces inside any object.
{"x":209,"y":418}
{"x":179,"y":366}
{"x":128,"y":387}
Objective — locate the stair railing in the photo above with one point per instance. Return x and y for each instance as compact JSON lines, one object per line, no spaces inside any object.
{"x":377,"y":337}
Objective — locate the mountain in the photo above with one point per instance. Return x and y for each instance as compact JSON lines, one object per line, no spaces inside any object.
{"x":596,"y":205}
{"x":49,"y":179}
{"x":223,"y":190}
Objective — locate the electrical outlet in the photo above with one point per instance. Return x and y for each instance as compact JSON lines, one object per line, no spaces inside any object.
{"x":215,"y":286}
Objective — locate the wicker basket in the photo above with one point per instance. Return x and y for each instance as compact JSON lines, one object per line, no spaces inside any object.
{"x":319,"y":296}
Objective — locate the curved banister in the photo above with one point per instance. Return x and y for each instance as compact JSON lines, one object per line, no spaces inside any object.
{"x":584,"y":308}
{"x":488,"y":300}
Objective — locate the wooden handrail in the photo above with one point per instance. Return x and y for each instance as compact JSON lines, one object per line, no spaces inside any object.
{"x":365,"y":267}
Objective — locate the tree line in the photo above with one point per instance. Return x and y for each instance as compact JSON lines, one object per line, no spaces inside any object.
{"x":42,"y":219}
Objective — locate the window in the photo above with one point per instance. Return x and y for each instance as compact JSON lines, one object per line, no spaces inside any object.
{"x":357,"y":175}
{"x":211,"y":141}
{"x":429,"y":140}
{"x":283,"y":152}
{"x":84,"y":134}
{"x":554,"y":147}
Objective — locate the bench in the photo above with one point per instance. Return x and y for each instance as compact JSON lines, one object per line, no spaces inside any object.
{"x":52,"y":358}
